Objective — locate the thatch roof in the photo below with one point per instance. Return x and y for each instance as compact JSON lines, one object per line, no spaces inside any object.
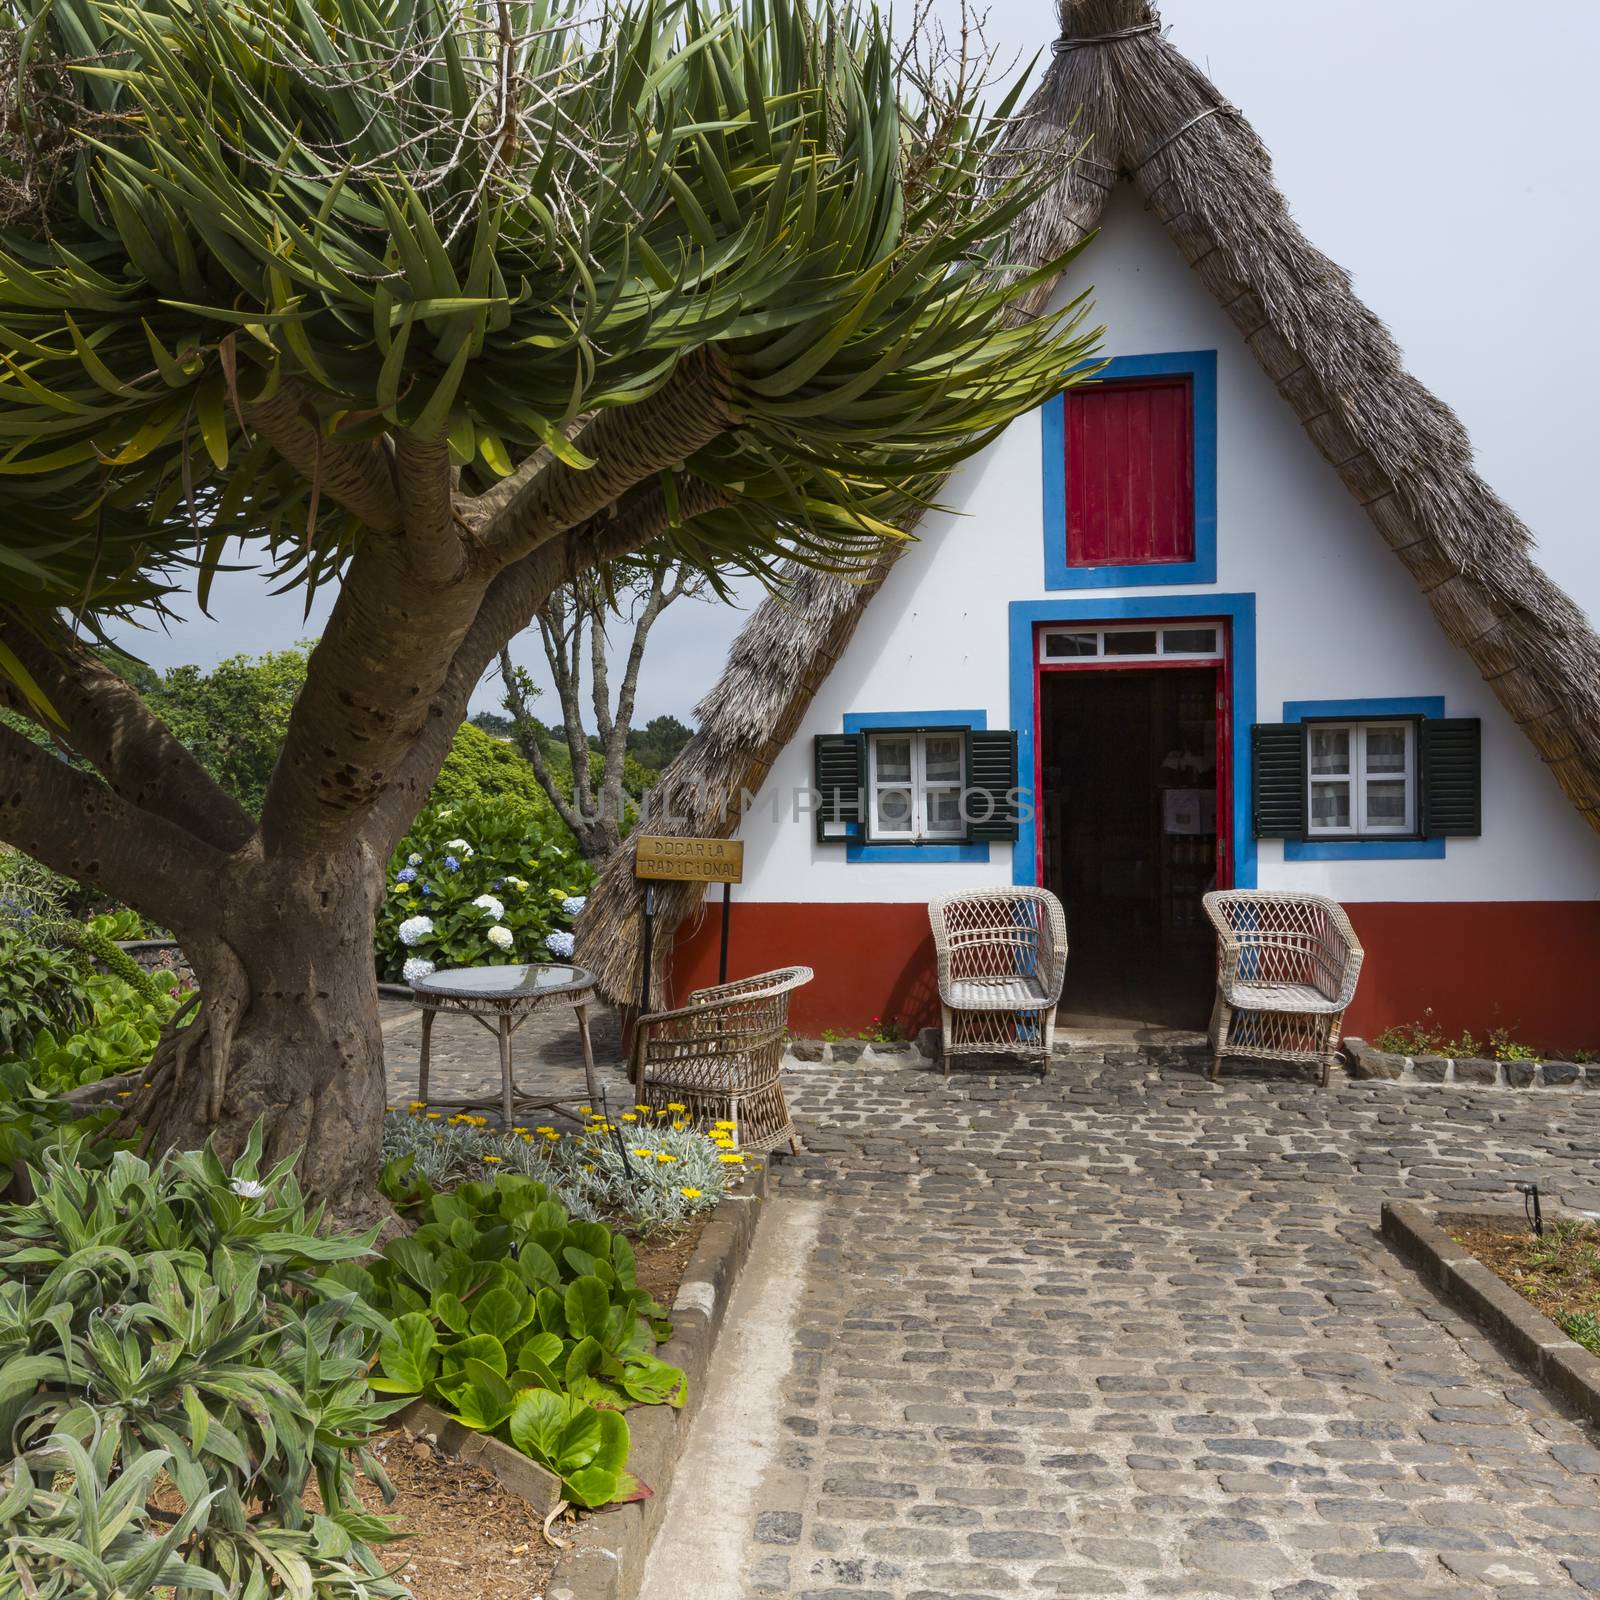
{"x":1155,"y":120}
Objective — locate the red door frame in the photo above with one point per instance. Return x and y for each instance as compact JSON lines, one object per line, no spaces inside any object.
{"x":1221,"y":665}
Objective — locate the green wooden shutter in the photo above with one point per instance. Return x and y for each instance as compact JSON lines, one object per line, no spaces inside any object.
{"x":1278,"y":772}
{"x":991,"y":784}
{"x":1452,"y":777}
{"x":839,"y":767}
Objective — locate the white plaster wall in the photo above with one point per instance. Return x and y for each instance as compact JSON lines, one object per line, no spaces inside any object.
{"x":1337,"y":617}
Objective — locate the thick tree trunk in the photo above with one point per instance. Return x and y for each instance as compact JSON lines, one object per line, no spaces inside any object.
{"x":287,"y":1030}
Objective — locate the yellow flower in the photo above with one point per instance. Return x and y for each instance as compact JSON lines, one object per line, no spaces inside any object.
{"x":690,"y":1194}
{"x":725,"y":1124}
{"x":644,"y":1152}
{"x":122,"y":1094}
{"x":527,"y":1138}
{"x":734,"y":1159}
{"x":433,"y":1116}
{"x":664,"y":1158}
{"x":628,"y":1116}
{"x":680,"y":1127}
{"x":489,"y":1159}
{"x":519,"y":1130}
{"x":644,"y":1108}
{"x":588,"y":1111}
{"x":552,"y":1137}
{"x":544,"y":1130}
{"x":417,"y":1105}
{"x":676,"y":1105}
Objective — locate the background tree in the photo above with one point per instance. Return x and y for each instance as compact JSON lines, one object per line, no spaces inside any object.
{"x":573,"y":626}
{"x":444,"y":305}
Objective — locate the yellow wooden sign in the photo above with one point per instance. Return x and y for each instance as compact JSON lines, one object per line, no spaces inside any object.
{"x":694,"y":860}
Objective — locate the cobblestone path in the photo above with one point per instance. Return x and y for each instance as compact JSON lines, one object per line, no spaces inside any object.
{"x":1124,"y":1332}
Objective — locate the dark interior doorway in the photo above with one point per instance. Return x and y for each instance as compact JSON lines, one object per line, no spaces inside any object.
{"x":1128,"y":817}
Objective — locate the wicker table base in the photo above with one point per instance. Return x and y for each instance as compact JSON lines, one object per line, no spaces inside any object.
{"x":500,"y":1000}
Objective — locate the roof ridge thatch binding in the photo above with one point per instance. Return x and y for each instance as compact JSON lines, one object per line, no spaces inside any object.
{"x":1155,"y":119}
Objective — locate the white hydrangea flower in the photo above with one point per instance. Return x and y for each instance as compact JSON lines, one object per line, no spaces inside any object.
{"x":414,"y":930}
{"x":495,"y":909}
{"x":413,"y":860}
{"x":560,"y":944}
{"x":248,"y":1189}
{"x":417,"y":967}
{"x":499,"y":937}
{"x":575,"y":903}
{"x":455,"y":844}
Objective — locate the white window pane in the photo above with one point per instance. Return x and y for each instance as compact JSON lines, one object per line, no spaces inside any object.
{"x":1386,"y":749}
{"x":1330,"y":750}
{"x":1330,"y":805}
{"x":892,"y":811}
{"x":893,"y":758}
{"x":944,"y":810}
{"x":942,"y":758}
{"x":1386,"y":803}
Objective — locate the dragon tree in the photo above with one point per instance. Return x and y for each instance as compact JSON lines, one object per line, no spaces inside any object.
{"x":442,"y":305}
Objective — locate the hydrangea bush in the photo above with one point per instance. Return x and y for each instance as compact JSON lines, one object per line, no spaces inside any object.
{"x":480,"y":883}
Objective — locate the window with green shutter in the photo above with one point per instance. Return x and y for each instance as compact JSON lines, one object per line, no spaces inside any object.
{"x":898,"y":782}
{"x":1364,"y":780}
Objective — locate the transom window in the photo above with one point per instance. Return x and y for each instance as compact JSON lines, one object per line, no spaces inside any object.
{"x":914,"y":784}
{"x":1152,"y":642}
{"x":1362,"y":779}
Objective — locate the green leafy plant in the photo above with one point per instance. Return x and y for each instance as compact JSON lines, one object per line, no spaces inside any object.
{"x":33,"y":1122}
{"x":119,"y":1035}
{"x":122,"y":923}
{"x":42,"y":988}
{"x":500,"y":1295}
{"x":187,"y":1309}
{"x":515,"y":858}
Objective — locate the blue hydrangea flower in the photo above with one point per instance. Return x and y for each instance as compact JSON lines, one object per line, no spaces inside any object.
{"x":427,"y":888}
{"x":573,"y":904}
{"x":496,"y":885}
{"x":406,"y":875}
{"x":451,"y":864}
{"x":560,"y":944}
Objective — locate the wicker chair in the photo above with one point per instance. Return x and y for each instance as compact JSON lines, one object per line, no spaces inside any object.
{"x":719,"y":1056}
{"x":1287,"y":966}
{"x":1002,"y":960}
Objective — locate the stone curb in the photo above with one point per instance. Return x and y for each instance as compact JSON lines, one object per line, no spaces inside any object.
{"x":607,"y":1562}
{"x":1525,"y":1334}
{"x":1462,"y":1072}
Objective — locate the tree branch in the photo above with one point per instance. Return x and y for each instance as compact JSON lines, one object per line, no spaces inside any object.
{"x":109,"y":724}
{"x":80,"y":828}
{"x":357,"y":476}
{"x":628,"y":445}
{"x":507,"y":609}
{"x":528,"y":742}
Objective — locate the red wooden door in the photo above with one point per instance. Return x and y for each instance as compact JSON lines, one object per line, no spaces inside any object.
{"x":1130,"y":472}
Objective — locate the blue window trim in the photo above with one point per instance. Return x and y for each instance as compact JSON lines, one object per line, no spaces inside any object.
{"x":872,"y":722}
{"x":1363,"y":849}
{"x":1200,"y":366}
{"x":1239,"y":610}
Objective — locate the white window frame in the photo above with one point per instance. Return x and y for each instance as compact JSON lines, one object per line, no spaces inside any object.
{"x":1355,"y":778}
{"x":1160,"y":653}
{"x":920,"y":831}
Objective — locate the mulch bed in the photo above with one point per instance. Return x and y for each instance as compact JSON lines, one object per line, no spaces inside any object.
{"x":1557,"y":1273}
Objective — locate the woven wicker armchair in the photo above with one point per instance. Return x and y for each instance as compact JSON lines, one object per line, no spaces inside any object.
{"x":1002,"y":960}
{"x":719,"y":1056}
{"x":1287,"y":966}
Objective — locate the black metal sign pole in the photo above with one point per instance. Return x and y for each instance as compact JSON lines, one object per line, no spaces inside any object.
{"x":722,"y":964}
{"x":649,"y":939}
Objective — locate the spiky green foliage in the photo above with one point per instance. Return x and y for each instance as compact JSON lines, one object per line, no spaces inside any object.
{"x":176,"y":1317}
{"x":489,"y":219}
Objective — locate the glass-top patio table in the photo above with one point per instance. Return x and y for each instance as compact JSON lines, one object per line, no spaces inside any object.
{"x":501,"y":999}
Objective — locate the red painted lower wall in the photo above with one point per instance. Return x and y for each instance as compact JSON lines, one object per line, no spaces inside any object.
{"x":1532,"y":966}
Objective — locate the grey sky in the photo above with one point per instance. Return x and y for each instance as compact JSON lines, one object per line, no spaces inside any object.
{"x":1444,"y":157}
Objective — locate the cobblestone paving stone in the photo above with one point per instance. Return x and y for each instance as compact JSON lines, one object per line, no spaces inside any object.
{"x":1123,"y":1332}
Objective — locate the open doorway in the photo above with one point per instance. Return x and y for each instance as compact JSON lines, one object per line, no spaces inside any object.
{"x":1129,"y":804}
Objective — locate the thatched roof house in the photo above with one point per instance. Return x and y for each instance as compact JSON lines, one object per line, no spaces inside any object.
{"x":1156,"y":124}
